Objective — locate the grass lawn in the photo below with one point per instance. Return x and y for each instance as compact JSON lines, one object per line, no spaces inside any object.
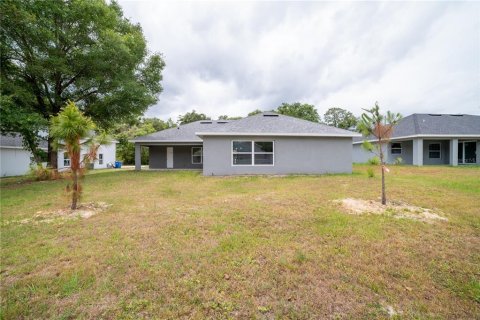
{"x":180,"y":245}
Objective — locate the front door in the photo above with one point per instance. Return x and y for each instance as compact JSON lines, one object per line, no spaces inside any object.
{"x":467,"y":152}
{"x":169,"y":157}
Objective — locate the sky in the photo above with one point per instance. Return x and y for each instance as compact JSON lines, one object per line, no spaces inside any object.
{"x":234,"y":57}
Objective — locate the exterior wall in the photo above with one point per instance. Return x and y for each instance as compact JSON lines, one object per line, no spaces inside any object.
{"x":444,"y":153}
{"x":406,"y":155}
{"x":108,"y":151}
{"x":292,"y":155}
{"x":361,"y":155}
{"x":14,"y":161}
{"x":182,"y":157}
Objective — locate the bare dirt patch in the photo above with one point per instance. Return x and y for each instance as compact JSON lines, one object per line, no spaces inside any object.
{"x":396,"y":209}
{"x":84,"y":211}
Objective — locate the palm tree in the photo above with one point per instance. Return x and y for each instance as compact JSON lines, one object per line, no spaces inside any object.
{"x":70,"y":130}
{"x":380,"y":127}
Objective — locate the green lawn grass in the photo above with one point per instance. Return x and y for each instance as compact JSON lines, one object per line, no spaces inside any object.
{"x":180,"y":245}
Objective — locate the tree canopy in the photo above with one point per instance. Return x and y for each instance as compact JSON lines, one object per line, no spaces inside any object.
{"x":192,"y":116}
{"x":340,"y":118}
{"x":299,"y":110}
{"x":254,"y":112}
{"x":85,"y":51}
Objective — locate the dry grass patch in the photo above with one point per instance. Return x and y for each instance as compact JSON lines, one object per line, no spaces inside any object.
{"x":396,"y":209}
{"x":83,"y":211}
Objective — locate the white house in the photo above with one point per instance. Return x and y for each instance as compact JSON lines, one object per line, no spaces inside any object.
{"x":15,"y":160}
{"x":105,"y":155}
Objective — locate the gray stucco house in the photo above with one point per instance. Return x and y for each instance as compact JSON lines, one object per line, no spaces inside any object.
{"x":266,"y":143}
{"x":430,"y":139}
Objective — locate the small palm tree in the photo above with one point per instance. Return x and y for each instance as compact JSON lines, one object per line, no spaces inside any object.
{"x":70,"y":130}
{"x":374,"y":124}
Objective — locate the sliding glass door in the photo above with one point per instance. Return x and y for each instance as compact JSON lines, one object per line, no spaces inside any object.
{"x":467,"y":152}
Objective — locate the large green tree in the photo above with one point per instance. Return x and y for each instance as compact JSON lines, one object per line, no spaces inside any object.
{"x":192,"y":117}
{"x":340,"y":118}
{"x":85,"y":51}
{"x":299,"y":110}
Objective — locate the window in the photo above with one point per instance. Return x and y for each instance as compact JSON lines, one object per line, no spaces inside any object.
{"x":249,"y":153}
{"x":197,"y":155}
{"x":396,"y":148}
{"x":434,"y":150}
{"x":66,"y":160}
{"x":100,"y":158}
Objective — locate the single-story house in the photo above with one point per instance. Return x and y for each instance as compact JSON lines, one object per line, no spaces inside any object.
{"x":106,"y":154}
{"x":14,"y":158}
{"x":430,"y":139}
{"x":266,"y":143}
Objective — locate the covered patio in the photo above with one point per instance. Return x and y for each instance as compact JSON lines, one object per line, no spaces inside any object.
{"x":187,"y":155}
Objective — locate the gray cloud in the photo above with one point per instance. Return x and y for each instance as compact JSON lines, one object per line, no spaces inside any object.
{"x":231,"y":58}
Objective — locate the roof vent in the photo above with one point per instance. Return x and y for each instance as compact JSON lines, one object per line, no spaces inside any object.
{"x":434,"y":115}
{"x":456,"y":115}
{"x":268,"y":114}
{"x":206,"y":122}
{"x":222,"y":122}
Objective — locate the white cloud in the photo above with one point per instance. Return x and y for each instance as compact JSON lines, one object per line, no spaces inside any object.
{"x":231,"y":58}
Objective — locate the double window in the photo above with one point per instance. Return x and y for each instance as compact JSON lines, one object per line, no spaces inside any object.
{"x":197,"y":155}
{"x":248,"y":153}
{"x":396,"y":148}
{"x":434,"y":150}
{"x":66,"y":159}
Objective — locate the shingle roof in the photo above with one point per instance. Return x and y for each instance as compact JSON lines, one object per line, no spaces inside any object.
{"x":185,"y":132}
{"x":267,"y":123}
{"x":14,"y":140}
{"x":436,"y":124}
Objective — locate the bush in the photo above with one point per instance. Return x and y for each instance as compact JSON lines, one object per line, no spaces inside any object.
{"x":375,"y":161}
{"x":370,"y":173}
{"x":40,"y":173}
{"x":398,"y":161}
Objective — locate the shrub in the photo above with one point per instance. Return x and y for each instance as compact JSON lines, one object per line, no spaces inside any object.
{"x":398,"y":161}
{"x":375,"y":161}
{"x":40,"y":173}
{"x":370,"y":173}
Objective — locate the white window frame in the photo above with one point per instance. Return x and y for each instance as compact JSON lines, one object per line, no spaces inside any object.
{"x":201,"y":155}
{"x":253,"y":153}
{"x":100,"y":158}
{"x":439,"y":150}
{"x":392,"y":148}
{"x":66,"y":161}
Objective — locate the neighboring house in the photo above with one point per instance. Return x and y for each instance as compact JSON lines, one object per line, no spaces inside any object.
{"x":15,"y":160}
{"x":106,"y":154}
{"x":426,"y":139}
{"x":266,"y":143}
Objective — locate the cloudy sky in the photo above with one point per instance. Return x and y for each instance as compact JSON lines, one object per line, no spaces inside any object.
{"x":234,"y":57}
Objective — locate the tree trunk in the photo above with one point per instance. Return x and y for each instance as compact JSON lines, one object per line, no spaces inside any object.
{"x":384,"y":197}
{"x":382,"y":163}
{"x":52,"y":154}
{"x":74,"y":190}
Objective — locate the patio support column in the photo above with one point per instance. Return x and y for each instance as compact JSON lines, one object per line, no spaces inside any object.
{"x":454,"y":152}
{"x":138,"y":157}
{"x":418,"y":152}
